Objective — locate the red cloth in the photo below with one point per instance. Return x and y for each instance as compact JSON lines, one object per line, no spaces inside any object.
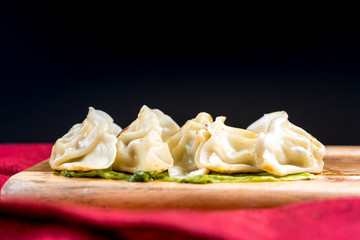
{"x":330,"y":219}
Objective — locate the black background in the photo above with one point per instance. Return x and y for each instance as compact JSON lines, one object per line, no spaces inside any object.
{"x":59,"y":59}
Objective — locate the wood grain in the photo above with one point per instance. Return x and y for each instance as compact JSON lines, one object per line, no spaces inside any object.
{"x":340,"y":178}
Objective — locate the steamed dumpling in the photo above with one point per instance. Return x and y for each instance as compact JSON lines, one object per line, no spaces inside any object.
{"x":142,"y":145}
{"x":184,"y":144}
{"x":229,"y":149}
{"x":89,"y":145}
{"x":262,"y":124}
{"x":286,"y":149}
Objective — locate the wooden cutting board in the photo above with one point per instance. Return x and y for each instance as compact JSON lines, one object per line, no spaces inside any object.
{"x":340,"y":178}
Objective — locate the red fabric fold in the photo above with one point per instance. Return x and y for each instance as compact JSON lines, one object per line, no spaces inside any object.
{"x":330,"y":219}
{"x":15,"y":158}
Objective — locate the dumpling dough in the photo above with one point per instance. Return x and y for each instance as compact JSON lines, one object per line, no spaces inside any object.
{"x":142,"y":145}
{"x":262,"y":124}
{"x":229,"y":149}
{"x":184,"y":144}
{"x":89,"y":145}
{"x":286,"y":149}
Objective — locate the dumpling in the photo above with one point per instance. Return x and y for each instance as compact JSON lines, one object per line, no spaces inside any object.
{"x":142,"y":145}
{"x":168,"y":125}
{"x":89,"y":145}
{"x":286,"y":149}
{"x":262,"y":124}
{"x":184,"y":144}
{"x":228,"y":150}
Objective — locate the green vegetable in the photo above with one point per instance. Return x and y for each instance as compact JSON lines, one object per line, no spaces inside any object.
{"x":147,"y":176}
{"x":143,"y":176}
{"x":103,"y":173}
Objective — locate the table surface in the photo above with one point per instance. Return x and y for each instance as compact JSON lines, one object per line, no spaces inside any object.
{"x":335,"y":218}
{"x":340,"y":178}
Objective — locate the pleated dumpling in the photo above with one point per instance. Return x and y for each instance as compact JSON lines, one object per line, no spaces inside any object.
{"x":89,"y":145}
{"x":142,"y":145}
{"x":286,"y":149}
{"x":184,"y":144}
{"x":261,"y":125}
{"x":228,"y":150}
